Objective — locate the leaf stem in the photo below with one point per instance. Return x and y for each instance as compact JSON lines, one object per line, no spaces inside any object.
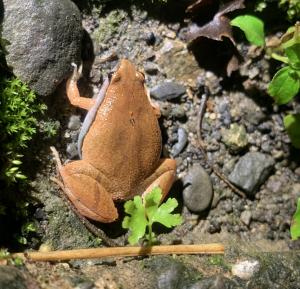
{"x":280,"y":58}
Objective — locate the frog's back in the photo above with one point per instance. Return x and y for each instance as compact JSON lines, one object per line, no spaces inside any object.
{"x":124,"y":141}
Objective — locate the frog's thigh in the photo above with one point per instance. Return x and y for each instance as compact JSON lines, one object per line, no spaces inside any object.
{"x":163,"y":177}
{"x":84,"y":189}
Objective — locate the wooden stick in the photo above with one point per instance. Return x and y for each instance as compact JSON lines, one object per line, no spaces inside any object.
{"x":94,"y":253}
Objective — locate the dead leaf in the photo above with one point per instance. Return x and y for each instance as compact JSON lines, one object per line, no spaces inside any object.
{"x":218,"y":27}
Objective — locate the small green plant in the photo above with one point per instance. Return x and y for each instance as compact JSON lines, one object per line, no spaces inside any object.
{"x":6,"y":257}
{"x":144,"y":212}
{"x":253,"y":28}
{"x":295,"y":227}
{"x":285,"y":84}
{"x":291,"y":8}
{"x":18,"y":124}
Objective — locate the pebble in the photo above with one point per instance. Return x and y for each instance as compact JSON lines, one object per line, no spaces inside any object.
{"x":235,"y":138}
{"x":72,"y":150}
{"x":245,"y":269}
{"x":181,"y":143}
{"x":151,"y":68}
{"x":167,"y":90}
{"x":150,"y":38}
{"x":198,"y":191}
{"x":215,"y":282}
{"x":246,"y":217}
{"x":74,"y":122}
{"x":251,"y":171}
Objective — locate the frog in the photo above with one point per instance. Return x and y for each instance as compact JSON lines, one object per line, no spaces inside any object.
{"x":119,"y":146}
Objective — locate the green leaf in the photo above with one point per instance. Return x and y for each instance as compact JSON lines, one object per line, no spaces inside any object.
{"x":137,"y":222}
{"x":253,"y":28}
{"x":292,"y":126}
{"x":163,"y":214}
{"x":293,"y":54}
{"x":295,"y":227}
{"x":284,"y":85}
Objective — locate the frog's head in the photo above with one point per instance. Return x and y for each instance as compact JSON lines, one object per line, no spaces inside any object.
{"x":126,"y":73}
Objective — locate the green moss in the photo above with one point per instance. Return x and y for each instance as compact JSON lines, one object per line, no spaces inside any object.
{"x":218,"y":260}
{"x":18,"y":124}
{"x":108,"y":26}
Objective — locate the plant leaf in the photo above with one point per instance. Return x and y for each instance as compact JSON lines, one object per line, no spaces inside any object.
{"x":163,"y":214}
{"x":292,"y":126}
{"x":295,"y":227}
{"x":253,"y":28}
{"x":137,"y":222}
{"x":284,"y":85}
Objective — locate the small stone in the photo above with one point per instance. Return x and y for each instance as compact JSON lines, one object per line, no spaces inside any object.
{"x":74,"y":122}
{"x":214,"y":282}
{"x":198,"y":192}
{"x":151,"y":68}
{"x":251,"y":171}
{"x":181,"y":143}
{"x":235,"y":138}
{"x":72,"y":150}
{"x":246,"y":217}
{"x":245,"y":269}
{"x":167,"y":91}
{"x":150,"y":38}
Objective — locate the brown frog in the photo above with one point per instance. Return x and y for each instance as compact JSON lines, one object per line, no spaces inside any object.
{"x":119,"y":146}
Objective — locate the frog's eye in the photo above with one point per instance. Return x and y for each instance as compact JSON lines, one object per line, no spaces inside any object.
{"x":140,"y":75}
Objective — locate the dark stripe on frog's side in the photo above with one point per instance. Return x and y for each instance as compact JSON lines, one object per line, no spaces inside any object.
{"x":90,"y":116}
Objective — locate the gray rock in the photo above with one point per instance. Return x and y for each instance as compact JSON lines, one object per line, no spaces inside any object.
{"x":13,"y":278}
{"x":44,"y":39}
{"x":235,"y":138}
{"x":215,"y":282}
{"x":181,"y":143}
{"x":198,"y":192}
{"x":167,"y":91}
{"x":251,"y":171}
{"x":74,"y":122}
{"x":171,"y":273}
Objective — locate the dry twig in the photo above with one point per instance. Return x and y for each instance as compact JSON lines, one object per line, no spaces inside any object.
{"x":95,"y":253}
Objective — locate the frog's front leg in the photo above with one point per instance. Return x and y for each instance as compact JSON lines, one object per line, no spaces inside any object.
{"x":73,"y":92}
{"x":163,"y":177}
{"x":83,"y":185}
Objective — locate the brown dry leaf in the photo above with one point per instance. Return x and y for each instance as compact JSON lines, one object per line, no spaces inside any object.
{"x":219,"y":26}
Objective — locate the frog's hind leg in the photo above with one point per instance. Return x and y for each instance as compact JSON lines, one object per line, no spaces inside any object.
{"x":84,"y":189}
{"x":163,"y":177}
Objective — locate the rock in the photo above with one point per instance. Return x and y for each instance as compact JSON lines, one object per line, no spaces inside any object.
{"x":246,"y":217}
{"x":171,"y":273}
{"x":13,"y":278}
{"x":198,"y":192}
{"x":215,"y":282}
{"x":235,"y":138}
{"x":251,"y":171}
{"x":247,"y":107}
{"x":181,"y":143}
{"x":167,"y":90}
{"x":72,"y":150}
{"x":151,"y":68}
{"x":178,"y":63}
{"x":44,"y":39}
{"x":74,"y":122}
{"x":245,"y":269}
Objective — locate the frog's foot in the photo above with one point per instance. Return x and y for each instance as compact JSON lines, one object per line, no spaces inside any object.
{"x":163,"y":177}
{"x":83,"y":187}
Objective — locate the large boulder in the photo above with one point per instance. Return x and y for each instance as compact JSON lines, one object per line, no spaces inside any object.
{"x":44,"y":37}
